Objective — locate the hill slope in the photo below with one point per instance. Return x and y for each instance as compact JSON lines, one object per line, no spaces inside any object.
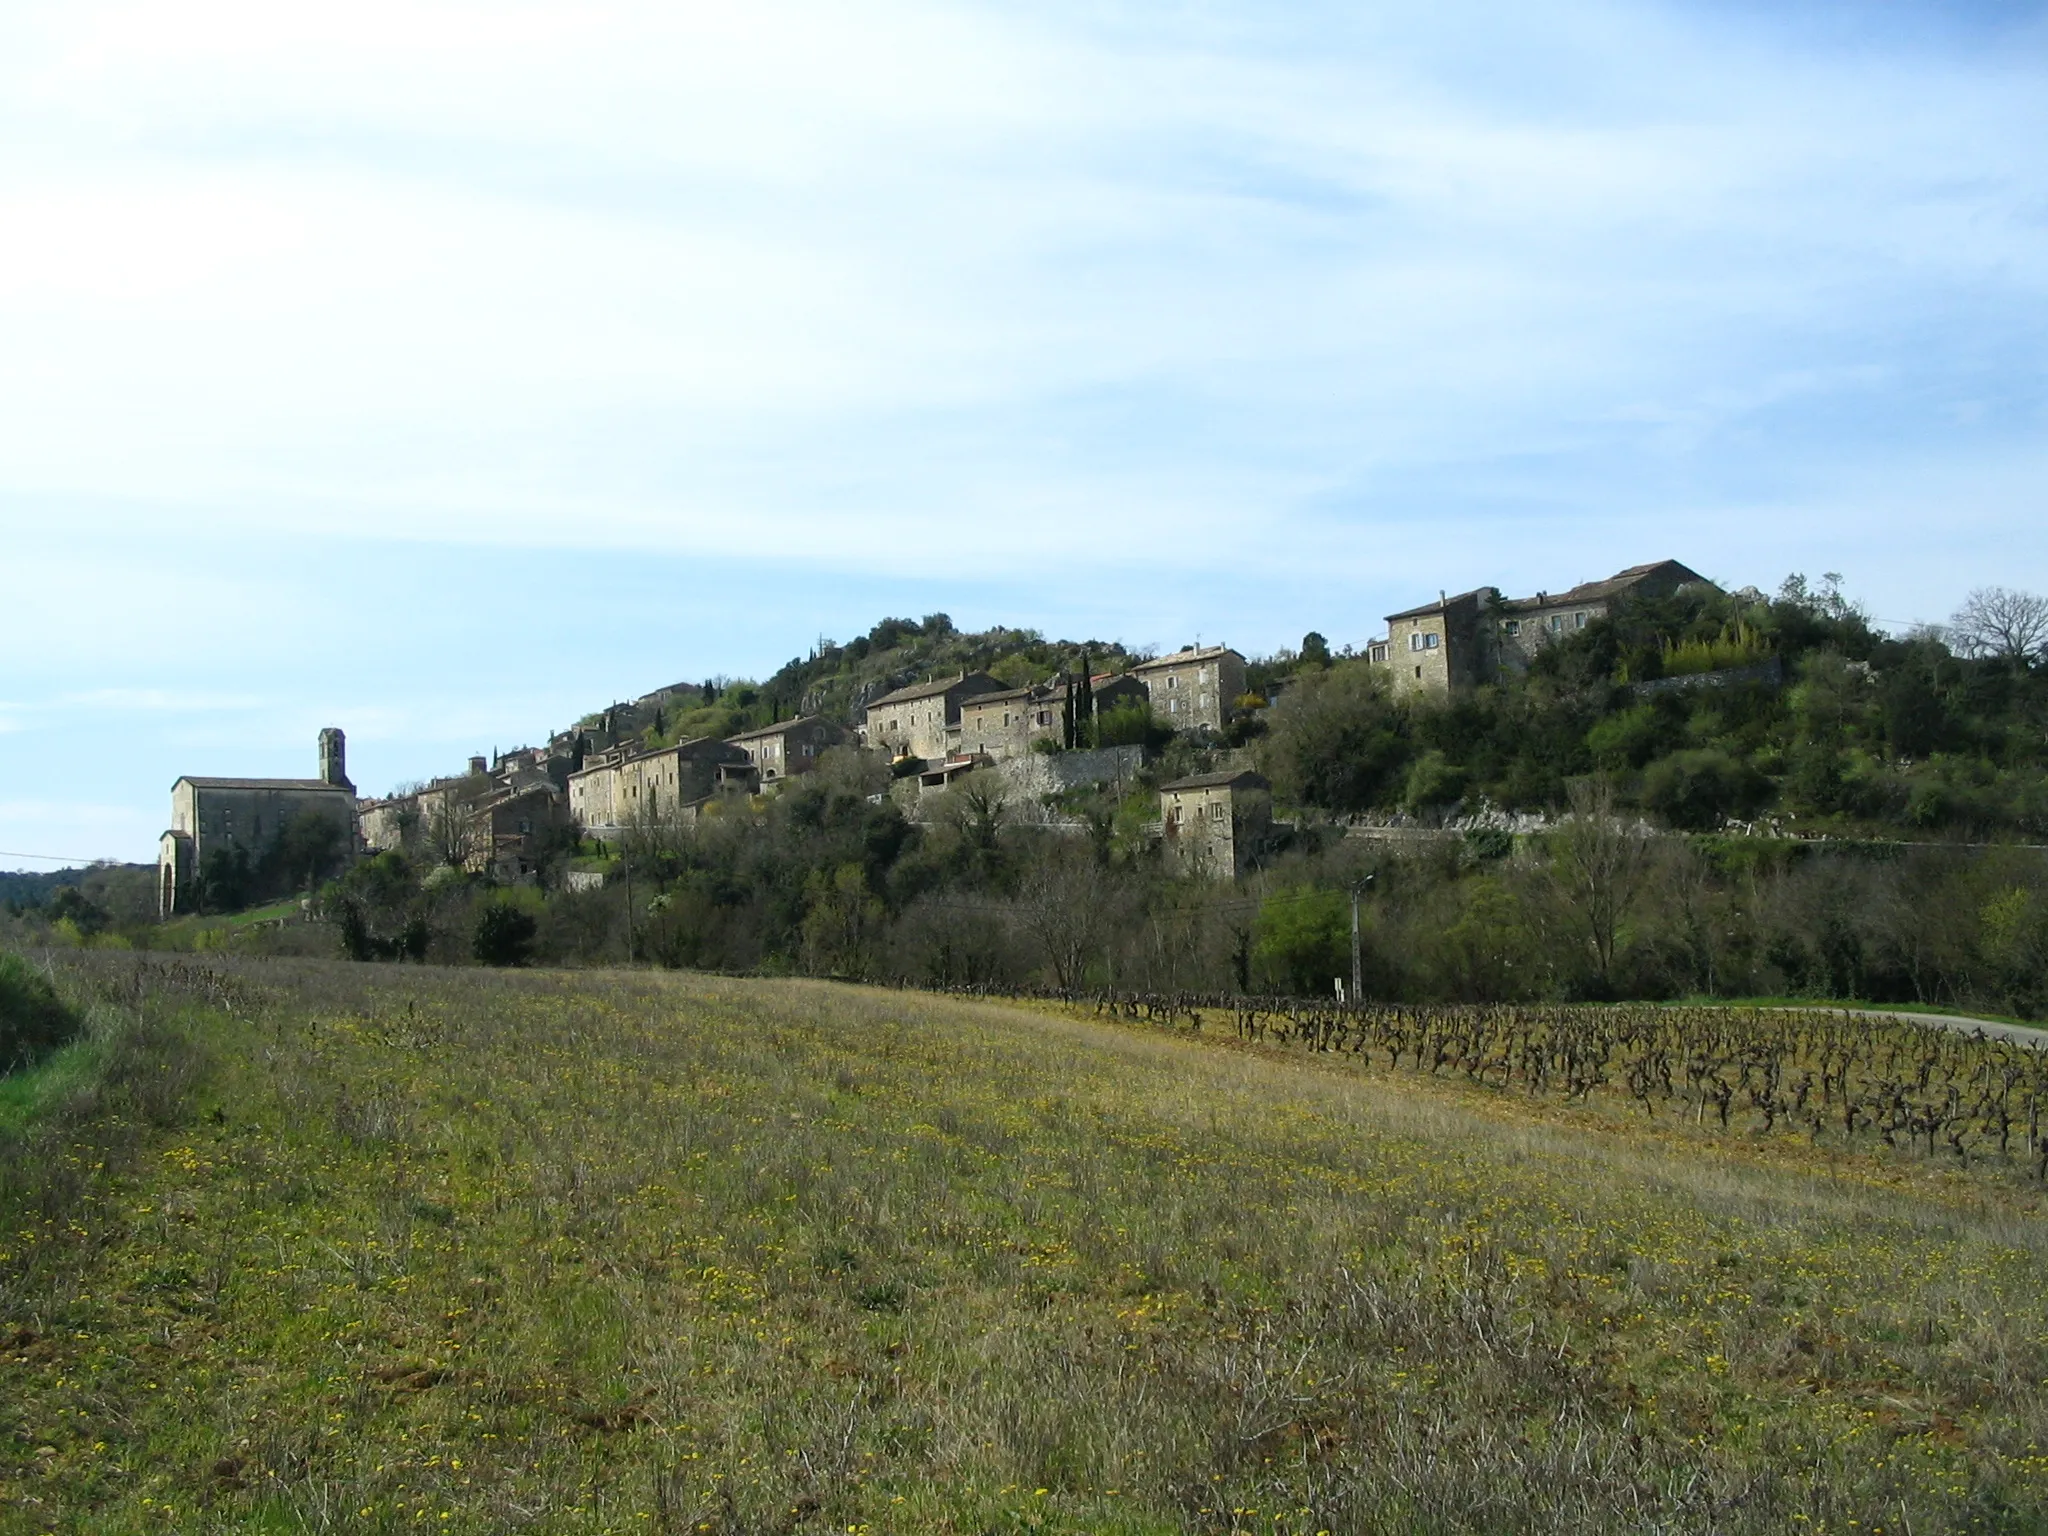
{"x":669,"y":1253}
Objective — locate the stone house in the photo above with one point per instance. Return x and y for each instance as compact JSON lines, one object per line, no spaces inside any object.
{"x":1479,"y":636}
{"x":1003,"y":724}
{"x":620,"y":787}
{"x":1440,"y":646}
{"x":782,"y":751}
{"x":248,"y":814}
{"x":922,"y":720}
{"x":1527,"y":624}
{"x":1194,"y":689}
{"x":1214,"y":824}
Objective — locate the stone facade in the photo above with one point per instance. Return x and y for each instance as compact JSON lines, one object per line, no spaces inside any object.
{"x":1440,"y":646}
{"x":1479,"y":636}
{"x":922,"y":720}
{"x":785,"y":750}
{"x":1213,"y":825}
{"x":1194,"y":689}
{"x":1004,"y":724}
{"x":621,"y":788}
{"x":247,"y":814}
{"x":1525,"y":625}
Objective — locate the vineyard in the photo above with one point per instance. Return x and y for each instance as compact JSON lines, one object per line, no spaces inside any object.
{"x":1914,"y":1087}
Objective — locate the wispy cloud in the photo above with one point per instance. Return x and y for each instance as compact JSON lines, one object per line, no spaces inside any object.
{"x":1266,"y":315}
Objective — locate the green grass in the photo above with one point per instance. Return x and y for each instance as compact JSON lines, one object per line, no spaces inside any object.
{"x":27,"y":1095}
{"x":519,"y":1251}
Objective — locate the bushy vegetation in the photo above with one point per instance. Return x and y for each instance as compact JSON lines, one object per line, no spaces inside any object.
{"x":33,"y":1020}
{"x":1824,"y":724}
{"x":496,"y":1250}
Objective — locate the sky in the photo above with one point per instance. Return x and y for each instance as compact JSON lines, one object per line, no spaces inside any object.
{"x":443,"y":371}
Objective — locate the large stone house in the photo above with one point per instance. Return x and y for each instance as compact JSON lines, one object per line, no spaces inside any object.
{"x":782,"y":751}
{"x":1214,"y":824}
{"x":1525,"y":625}
{"x":923,"y":720}
{"x":1194,"y":689}
{"x":622,"y":788}
{"x":1478,"y":636}
{"x":249,"y":816}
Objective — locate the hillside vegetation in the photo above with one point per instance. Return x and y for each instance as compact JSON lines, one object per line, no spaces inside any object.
{"x":528,"y":1251}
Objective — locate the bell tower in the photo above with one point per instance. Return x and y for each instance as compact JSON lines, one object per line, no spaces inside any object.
{"x":334,"y":757}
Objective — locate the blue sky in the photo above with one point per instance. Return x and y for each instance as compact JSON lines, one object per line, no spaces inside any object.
{"x":443,"y":370}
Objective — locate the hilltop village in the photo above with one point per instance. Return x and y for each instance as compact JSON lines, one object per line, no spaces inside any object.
{"x":615,"y":770}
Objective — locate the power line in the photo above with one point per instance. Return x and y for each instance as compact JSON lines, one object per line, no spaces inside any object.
{"x":58,"y":858}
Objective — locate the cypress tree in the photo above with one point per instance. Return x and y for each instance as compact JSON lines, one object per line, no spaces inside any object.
{"x":1067,"y":716}
{"x":1084,"y":709}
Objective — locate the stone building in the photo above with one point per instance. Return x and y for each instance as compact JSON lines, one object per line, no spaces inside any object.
{"x":620,"y":788}
{"x":1527,"y":624}
{"x":249,"y":816}
{"x":922,"y":720}
{"x":1441,"y":646}
{"x":1004,"y":725}
{"x":1194,"y":689}
{"x":1479,"y":636}
{"x":785,"y":750}
{"x":1214,"y":824}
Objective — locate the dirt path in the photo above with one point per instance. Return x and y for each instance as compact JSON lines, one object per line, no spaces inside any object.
{"x":2022,"y":1034}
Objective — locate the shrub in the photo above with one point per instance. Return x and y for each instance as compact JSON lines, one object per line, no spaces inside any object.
{"x":504,"y":935}
{"x":1696,"y":790}
{"x":33,"y":1019}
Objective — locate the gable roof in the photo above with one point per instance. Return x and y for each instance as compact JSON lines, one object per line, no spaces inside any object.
{"x":1183,"y":657}
{"x":783,"y":728}
{"x":1441,"y":605}
{"x":1240,"y":778}
{"x":915,"y":691}
{"x":1609,"y":587}
{"x":297,"y":786}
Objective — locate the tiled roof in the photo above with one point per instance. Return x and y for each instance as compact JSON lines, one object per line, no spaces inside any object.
{"x":1243,"y":776}
{"x":1437,"y":607}
{"x":296,"y":785}
{"x":1182,"y":658}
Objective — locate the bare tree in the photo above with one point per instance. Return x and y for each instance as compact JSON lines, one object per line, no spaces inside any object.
{"x":1996,"y":621}
{"x":454,"y":830}
{"x":1602,"y":862}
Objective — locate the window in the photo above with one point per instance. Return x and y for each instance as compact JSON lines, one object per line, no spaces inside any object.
{"x":1218,"y":811}
{"x":1512,"y":627}
{"x":1429,"y":642}
{"x":1172,"y":681}
{"x":1578,"y":621}
{"x":1173,"y":706}
{"x":1415,"y":642}
{"x":1418,"y":671}
{"x":1557,"y":623}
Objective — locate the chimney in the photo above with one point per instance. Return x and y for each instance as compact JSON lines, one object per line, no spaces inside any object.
{"x":334,"y":757}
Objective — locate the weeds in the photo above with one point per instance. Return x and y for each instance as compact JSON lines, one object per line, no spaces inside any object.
{"x":667,"y":1253}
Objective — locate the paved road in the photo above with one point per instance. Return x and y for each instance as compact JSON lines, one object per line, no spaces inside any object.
{"x":2021,"y":1033}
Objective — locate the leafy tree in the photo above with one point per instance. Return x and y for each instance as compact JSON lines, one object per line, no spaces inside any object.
{"x":1302,"y":939}
{"x":1337,"y":740}
{"x":307,"y":849}
{"x":69,"y":904}
{"x":226,"y":879}
{"x":1698,"y":790}
{"x":1314,"y":653}
{"x":504,"y":934}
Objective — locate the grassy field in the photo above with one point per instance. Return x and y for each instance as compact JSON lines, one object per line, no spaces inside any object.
{"x":482,"y":1251}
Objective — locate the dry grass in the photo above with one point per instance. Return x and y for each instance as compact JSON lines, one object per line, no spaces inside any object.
{"x":487,"y":1251}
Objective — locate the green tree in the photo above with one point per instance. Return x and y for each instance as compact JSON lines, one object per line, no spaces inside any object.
{"x":504,"y":934}
{"x":1315,"y":652}
{"x":1302,"y":940}
{"x":1338,"y":741}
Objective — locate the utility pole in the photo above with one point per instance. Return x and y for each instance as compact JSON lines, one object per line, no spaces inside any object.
{"x":1357,"y":958}
{"x":626,"y":862}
